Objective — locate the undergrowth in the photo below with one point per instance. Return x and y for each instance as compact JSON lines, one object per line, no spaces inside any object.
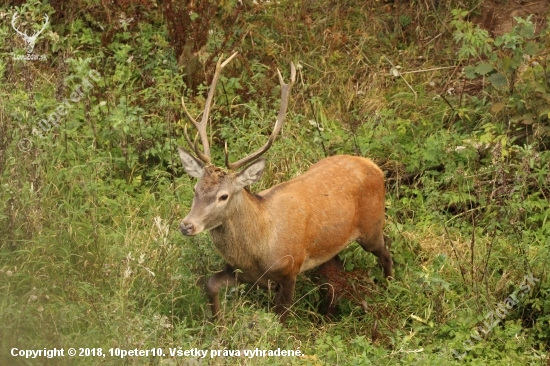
{"x":93,"y":192}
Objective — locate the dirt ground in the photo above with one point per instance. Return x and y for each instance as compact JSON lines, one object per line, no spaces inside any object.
{"x":497,"y":16}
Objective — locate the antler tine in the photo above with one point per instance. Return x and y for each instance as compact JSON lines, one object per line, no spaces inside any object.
{"x":285,"y":94}
{"x":187,"y":137}
{"x":45,"y":24}
{"x":201,"y":126}
{"x":194,"y":146}
{"x":13,"y":18}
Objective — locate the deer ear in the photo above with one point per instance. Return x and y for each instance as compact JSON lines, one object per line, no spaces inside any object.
{"x":251,"y":174}
{"x":191,"y":165}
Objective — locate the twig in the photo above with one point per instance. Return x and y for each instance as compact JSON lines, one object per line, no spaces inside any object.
{"x":433,"y":39}
{"x":449,"y":79}
{"x":472,"y":246}
{"x":455,"y":251}
{"x":442,"y":96}
{"x":485,"y":275}
{"x":426,"y":70}
{"x":409,"y":85}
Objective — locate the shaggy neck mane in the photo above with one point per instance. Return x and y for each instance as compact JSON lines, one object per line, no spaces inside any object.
{"x":245,"y":229}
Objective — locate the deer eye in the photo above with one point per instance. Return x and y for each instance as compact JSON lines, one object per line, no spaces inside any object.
{"x":223,"y":197}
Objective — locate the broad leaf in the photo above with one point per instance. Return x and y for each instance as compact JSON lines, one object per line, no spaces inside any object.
{"x":497,"y":107}
{"x":498,"y":80}
{"x":484,"y":68}
{"x":470,"y":72}
{"x":531,"y":48}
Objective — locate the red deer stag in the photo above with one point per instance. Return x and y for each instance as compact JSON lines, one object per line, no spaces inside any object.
{"x":295,"y":226}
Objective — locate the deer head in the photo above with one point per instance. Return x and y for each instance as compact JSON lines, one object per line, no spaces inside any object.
{"x":29,"y":40}
{"x":217,"y":188}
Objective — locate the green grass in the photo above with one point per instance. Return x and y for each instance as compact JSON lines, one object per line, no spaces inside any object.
{"x":90,"y":251}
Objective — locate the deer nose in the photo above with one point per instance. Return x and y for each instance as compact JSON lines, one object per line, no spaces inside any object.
{"x":187,"y":228}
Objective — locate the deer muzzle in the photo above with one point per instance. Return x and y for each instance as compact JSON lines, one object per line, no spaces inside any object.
{"x":187,"y":228}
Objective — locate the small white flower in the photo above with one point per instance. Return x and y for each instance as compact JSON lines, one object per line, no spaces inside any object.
{"x":127,"y":272}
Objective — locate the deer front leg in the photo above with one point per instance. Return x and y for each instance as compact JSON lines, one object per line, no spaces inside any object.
{"x":224,"y":278}
{"x":284,"y":297}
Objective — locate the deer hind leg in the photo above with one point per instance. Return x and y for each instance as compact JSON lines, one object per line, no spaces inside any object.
{"x":284,"y":297}
{"x":379,"y":246}
{"x":224,"y":278}
{"x":332,"y":271}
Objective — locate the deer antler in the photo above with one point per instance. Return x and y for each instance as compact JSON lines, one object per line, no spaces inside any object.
{"x":30,"y":40}
{"x":285,"y":94}
{"x":201,"y":127}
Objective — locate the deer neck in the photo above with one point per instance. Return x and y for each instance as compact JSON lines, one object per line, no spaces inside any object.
{"x":243,"y":239}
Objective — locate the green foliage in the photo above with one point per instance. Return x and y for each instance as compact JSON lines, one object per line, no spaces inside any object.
{"x":90,"y":251}
{"x":475,"y":41}
{"x":517,"y":72}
